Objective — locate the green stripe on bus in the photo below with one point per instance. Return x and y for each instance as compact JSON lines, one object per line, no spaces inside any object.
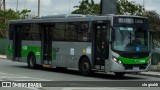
{"x":35,"y":49}
{"x":26,"y":49}
{"x":134,"y":61}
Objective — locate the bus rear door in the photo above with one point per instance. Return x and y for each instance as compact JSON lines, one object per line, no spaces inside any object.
{"x":46,"y":45}
{"x":17,"y":42}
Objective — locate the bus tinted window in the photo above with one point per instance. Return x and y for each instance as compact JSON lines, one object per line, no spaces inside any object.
{"x":84,"y":32}
{"x":31,"y":32}
{"x":71,"y":31}
{"x":25,"y":32}
{"x":77,"y":31}
{"x":35,"y":32}
{"x":59,"y":30}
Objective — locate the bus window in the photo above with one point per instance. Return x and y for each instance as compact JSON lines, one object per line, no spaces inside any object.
{"x":71,"y":32}
{"x":58,"y":33}
{"x":35,"y":32}
{"x":83,"y":32}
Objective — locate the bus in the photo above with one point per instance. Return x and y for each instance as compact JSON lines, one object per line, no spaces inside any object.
{"x":118,"y":44}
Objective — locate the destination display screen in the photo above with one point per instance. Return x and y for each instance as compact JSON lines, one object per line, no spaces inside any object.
{"x":127,"y":20}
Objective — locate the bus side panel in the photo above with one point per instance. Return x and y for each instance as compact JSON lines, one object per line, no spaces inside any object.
{"x":67,"y":54}
{"x":31,"y":46}
{"x":10,"y":50}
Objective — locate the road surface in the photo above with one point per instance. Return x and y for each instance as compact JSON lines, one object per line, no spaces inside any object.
{"x":17,"y":71}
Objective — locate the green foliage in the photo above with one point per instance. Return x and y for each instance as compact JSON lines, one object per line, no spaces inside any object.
{"x":123,"y":7}
{"x":129,"y":7}
{"x":87,"y":7}
{"x":10,"y":14}
{"x":154,"y":19}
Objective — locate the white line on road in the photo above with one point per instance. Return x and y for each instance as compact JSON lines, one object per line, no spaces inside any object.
{"x":92,"y":88}
{"x":20,"y":76}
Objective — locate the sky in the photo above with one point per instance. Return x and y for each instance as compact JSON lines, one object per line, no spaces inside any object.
{"x":53,"y":7}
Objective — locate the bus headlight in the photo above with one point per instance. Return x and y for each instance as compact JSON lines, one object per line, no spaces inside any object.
{"x":116,"y":60}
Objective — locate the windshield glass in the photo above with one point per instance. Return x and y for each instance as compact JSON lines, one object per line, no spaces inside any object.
{"x":130,"y":39}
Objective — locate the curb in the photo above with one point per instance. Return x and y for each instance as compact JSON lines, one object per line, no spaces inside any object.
{"x":3,"y":57}
{"x":147,"y":74}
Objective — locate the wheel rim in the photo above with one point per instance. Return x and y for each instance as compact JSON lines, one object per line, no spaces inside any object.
{"x":85,"y":66}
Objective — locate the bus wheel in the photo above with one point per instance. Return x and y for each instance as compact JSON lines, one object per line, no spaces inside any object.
{"x":119,"y":74}
{"x":31,"y":61}
{"x":85,"y":67}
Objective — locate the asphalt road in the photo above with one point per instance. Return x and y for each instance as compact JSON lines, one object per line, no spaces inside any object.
{"x":17,"y":71}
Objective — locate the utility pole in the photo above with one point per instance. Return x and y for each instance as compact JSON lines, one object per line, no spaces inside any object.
{"x":4,"y":8}
{"x":144,"y":5}
{"x":38,"y":8}
{"x":108,"y":7}
{"x":4,"y":5}
{"x":17,"y":6}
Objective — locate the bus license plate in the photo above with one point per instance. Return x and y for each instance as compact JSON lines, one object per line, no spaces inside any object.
{"x":135,"y":68}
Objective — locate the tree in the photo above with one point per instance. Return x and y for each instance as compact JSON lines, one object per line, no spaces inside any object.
{"x":123,"y":7}
{"x":10,"y":14}
{"x":154,"y":19}
{"x":129,"y":7}
{"x":87,"y":7}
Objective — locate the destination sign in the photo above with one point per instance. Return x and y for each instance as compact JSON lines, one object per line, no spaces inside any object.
{"x":124,"y":20}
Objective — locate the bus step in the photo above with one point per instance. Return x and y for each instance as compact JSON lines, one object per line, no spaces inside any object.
{"x":100,"y":70}
{"x":46,"y":65}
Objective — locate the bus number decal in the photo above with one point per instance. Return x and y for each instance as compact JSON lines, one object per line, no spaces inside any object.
{"x":24,"y":47}
{"x":37,"y":53}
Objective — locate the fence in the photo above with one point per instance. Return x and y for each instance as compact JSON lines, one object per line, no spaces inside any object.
{"x":3,"y":46}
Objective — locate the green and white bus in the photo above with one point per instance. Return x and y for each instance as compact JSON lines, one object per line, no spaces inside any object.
{"x":110,"y":43}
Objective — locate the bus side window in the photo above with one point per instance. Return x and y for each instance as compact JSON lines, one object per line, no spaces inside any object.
{"x":59,"y":30}
{"x":83,"y":32}
{"x":71,"y":31}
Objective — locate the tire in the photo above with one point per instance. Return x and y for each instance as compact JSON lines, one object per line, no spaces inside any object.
{"x":31,"y":61}
{"x":119,"y":74}
{"x":85,"y":67}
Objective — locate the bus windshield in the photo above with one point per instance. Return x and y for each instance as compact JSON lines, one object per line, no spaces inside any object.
{"x":130,"y":39}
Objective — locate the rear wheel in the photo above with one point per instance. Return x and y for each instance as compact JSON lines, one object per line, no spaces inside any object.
{"x":31,"y":61}
{"x":85,"y":67}
{"x":119,"y":74}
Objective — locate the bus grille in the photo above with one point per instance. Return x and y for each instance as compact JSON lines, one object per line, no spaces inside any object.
{"x":130,"y":66}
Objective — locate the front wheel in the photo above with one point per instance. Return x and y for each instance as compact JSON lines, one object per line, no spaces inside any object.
{"x":31,"y":61}
{"x":119,"y":74}
{"x":85,"y":67}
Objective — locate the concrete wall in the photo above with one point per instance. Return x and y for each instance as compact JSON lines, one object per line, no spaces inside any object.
{"x":3,"y":46}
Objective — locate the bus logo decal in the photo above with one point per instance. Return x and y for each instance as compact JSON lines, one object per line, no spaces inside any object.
{"x":24,"y":47}
{"x":136,"y":61}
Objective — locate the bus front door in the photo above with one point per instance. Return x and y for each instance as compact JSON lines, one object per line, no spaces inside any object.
{"x":17,"y":43}
{"x":101,"y":43}
{"x":46,"y":45}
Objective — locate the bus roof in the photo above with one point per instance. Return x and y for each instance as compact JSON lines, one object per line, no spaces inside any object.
{"x":68,"y":18}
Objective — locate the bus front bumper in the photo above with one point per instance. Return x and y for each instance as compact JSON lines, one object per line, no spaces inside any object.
{"x":116,"y":67}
